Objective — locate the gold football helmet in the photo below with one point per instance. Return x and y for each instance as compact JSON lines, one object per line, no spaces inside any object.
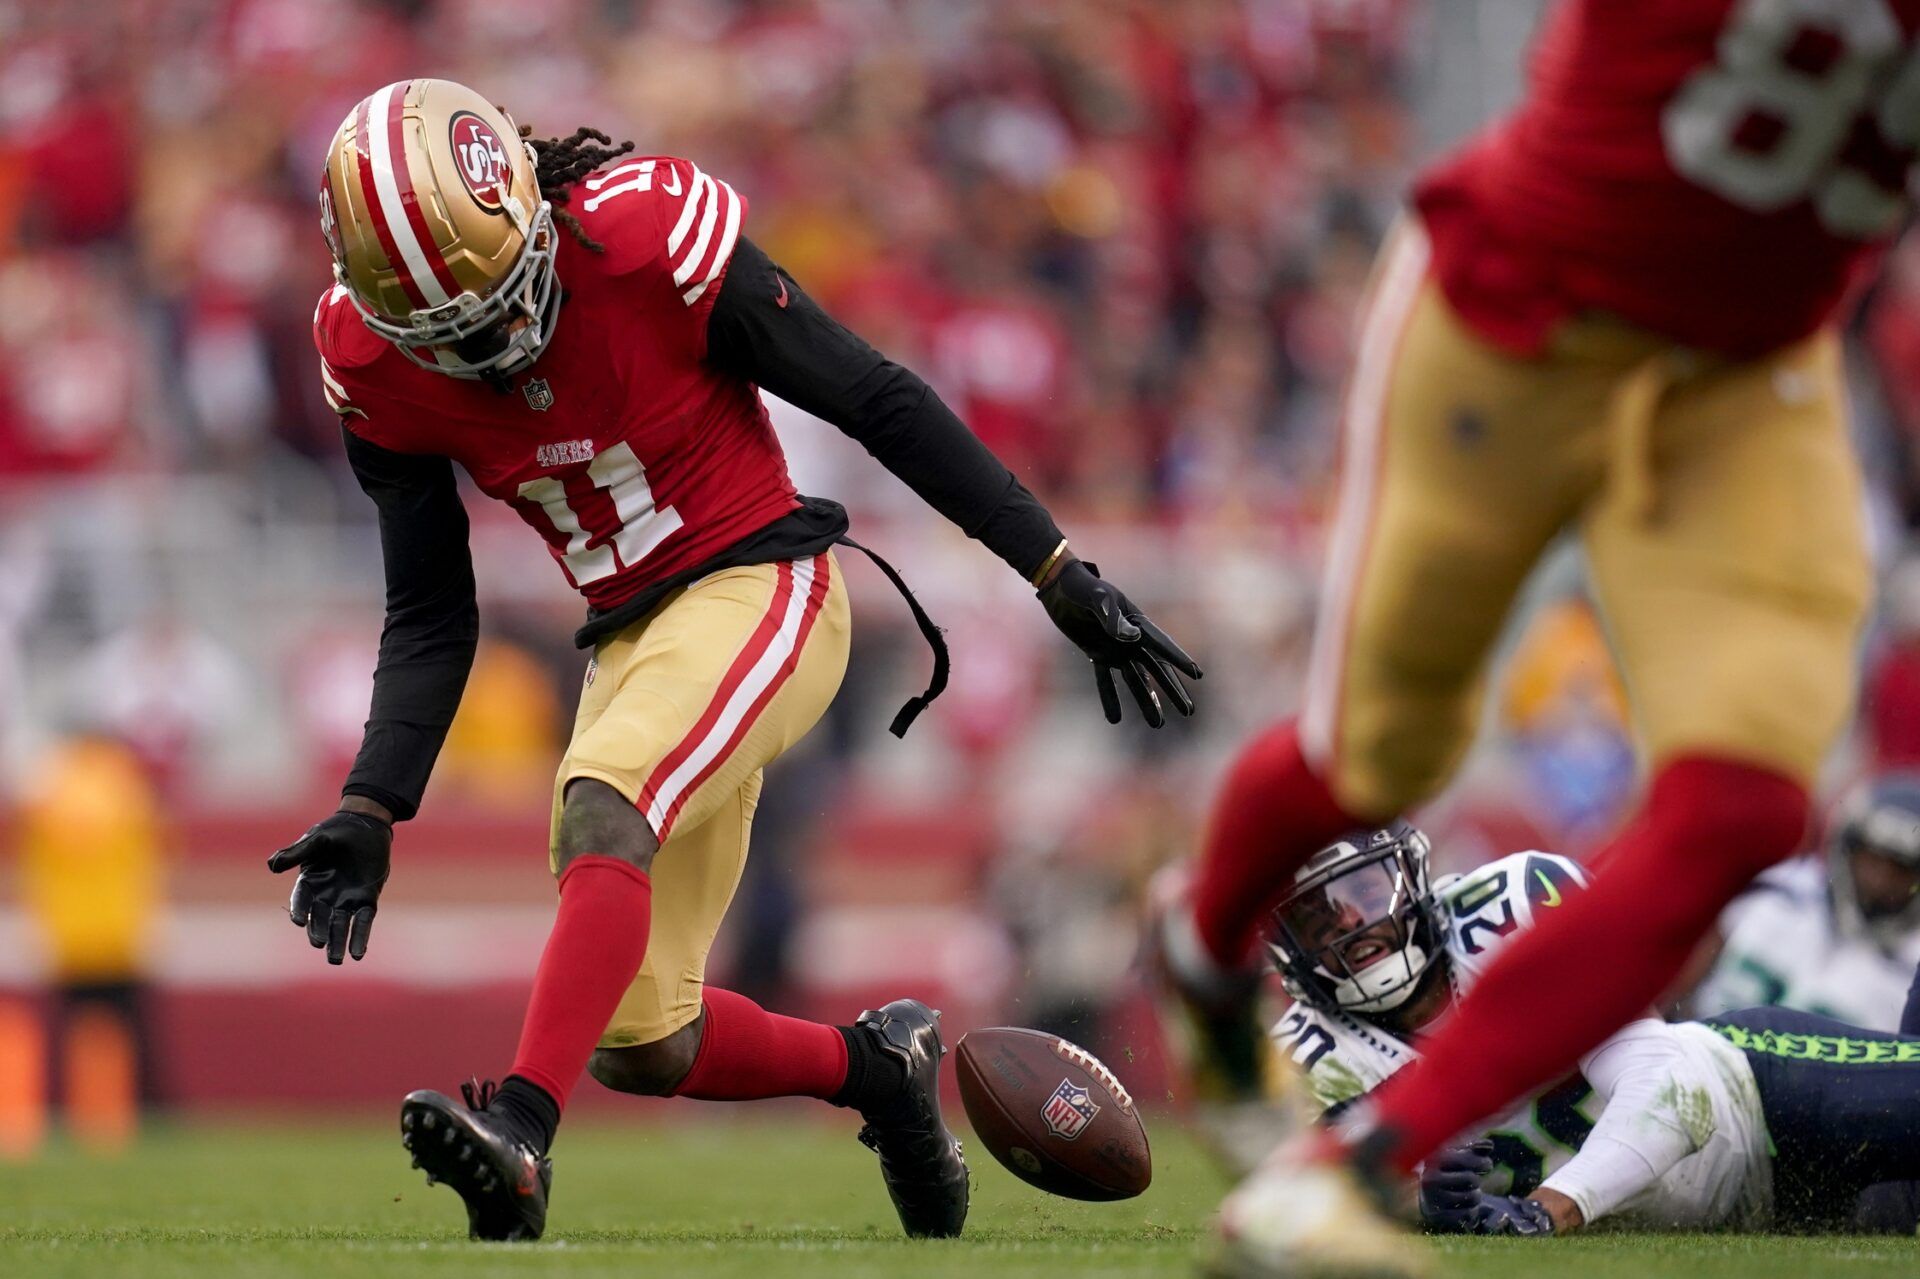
{"x":438,"y":231}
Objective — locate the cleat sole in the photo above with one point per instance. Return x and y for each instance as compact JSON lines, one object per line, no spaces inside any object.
{"x":454,"y":1161}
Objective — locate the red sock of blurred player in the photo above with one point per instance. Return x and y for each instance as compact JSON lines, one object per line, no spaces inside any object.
{"x":1271,"y":814}
{"x":599,"y":938}
{"x":747,"y":1053}
{"x":1707,"y":827}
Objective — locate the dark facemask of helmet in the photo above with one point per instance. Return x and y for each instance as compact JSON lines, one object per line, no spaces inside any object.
{"x":1880,"y":820}
{"x":1361,"y":925}
{"x":485,"y":349}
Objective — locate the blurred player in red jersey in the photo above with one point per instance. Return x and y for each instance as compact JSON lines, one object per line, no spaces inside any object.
{"x":1609,"y":315}
{"x":596,"y":366}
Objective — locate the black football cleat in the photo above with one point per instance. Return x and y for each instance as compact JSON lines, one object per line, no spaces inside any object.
{"x":919,"y":1158}
{"x":502,"y":1180}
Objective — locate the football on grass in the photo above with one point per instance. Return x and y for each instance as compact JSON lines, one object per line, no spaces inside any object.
{"x":1050,"y":1112}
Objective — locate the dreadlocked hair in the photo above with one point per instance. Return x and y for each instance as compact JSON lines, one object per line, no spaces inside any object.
{"x":561,"y":162}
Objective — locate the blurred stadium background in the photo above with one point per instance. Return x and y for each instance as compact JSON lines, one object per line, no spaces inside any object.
{"x":1124,"y":238}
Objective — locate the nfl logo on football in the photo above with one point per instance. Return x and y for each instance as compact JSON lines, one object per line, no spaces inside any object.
{"x":1069,"y":1110}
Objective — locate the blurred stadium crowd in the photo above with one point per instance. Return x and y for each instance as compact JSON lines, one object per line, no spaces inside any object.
{"x":1125,"y":238}
{"x":1127,"y":250}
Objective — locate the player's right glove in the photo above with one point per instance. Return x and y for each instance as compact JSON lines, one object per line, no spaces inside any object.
{"x":343,"y":863}
{"x":1450,"y":1194}
{"x":1116,"y":636}
{"x":1512,"y":1215}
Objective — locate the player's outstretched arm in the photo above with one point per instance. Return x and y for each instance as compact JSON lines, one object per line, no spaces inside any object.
{"x":765,"y":329}
{"x":426,"y":651}
{"x":1640,"y":1075}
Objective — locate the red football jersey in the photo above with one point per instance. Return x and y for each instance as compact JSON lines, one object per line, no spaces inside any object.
{"x":624,"y":448}
{"x":1718,"y":171}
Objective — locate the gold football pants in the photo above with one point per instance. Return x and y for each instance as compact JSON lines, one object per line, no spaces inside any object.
{"x":1719,"y":505}
{"x":681,"y":712}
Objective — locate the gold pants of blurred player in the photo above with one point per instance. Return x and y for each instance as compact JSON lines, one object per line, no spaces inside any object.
{"x":1719,"y":504}
{"x":681,"y":712}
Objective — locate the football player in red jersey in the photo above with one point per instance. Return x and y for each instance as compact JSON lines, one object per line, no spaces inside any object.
{"x":595,"y":366}
{"x":1611,"y":315}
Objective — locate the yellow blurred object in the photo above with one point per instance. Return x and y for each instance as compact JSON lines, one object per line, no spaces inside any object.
{"x":1563,"y":663}
{"x":101,"y":1080}
{"x":1085,"y":202}
{"x":90,"y":848}
{"x":23,"y":1080}
{"x":826,"y":245}
{"x":503,"y":745}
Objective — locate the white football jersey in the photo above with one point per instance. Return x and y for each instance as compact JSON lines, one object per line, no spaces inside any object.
{"x":1346,"y":1057}
{"x":1726,"y":1180}
{"x":1786,"y":944}
{"x":1681,"y":1101}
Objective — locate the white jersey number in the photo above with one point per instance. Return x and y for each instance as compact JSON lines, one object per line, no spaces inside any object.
{"x":604,"y":512}
{"x":1806,"y":100}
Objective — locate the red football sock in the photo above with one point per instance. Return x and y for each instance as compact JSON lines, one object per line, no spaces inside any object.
{"x":599,"y":938}
{"x":1707,"y":827}
{"x":1270,"y":816}
{"x":747,"y":1053}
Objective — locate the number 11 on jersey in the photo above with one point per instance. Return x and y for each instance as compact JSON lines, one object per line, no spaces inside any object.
{"x":599,"y":516}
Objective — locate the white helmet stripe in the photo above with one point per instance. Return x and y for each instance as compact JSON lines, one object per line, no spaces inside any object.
{"x":413,"y":259}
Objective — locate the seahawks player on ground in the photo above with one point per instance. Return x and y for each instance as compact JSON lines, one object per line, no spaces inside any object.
{"x":1761,"y":1117}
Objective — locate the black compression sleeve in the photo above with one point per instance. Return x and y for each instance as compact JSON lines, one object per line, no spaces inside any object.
{"x":763,"y":328}
{"x":433,"y":622}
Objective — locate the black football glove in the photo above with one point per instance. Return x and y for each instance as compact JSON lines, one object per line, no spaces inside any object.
{"x":343,"y":863}
{"x":1512,"y":1215}
{"x":1116,"y":636}
{"x":1450,"y":1191}
{"x":1452,"y":1202}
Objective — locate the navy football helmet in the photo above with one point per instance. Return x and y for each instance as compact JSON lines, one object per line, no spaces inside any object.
{"x":1361,"y":924}
{"x":1882,"y":819}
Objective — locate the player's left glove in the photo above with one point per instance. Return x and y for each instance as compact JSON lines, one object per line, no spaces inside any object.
{"x":1116,"y":636}
{"x":343,"y":863}
{"x":1450,"y":1194}
{"x":1451,"y":1201}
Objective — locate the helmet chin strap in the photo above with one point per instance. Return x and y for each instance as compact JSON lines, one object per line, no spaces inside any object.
{"x":1381,"y":987}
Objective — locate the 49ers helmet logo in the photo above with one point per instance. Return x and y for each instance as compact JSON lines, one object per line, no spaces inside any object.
{"x":481,"y":159}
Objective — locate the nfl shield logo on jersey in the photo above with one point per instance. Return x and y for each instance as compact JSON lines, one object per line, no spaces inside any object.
{"x":539,"y":394}
{"x":1069,"y":1110}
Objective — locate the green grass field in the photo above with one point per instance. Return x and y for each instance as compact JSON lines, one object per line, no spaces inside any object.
{"x":723,"y":1200}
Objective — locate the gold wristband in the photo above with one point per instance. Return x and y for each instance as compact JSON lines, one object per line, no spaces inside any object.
{"x":1046,"y":566}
